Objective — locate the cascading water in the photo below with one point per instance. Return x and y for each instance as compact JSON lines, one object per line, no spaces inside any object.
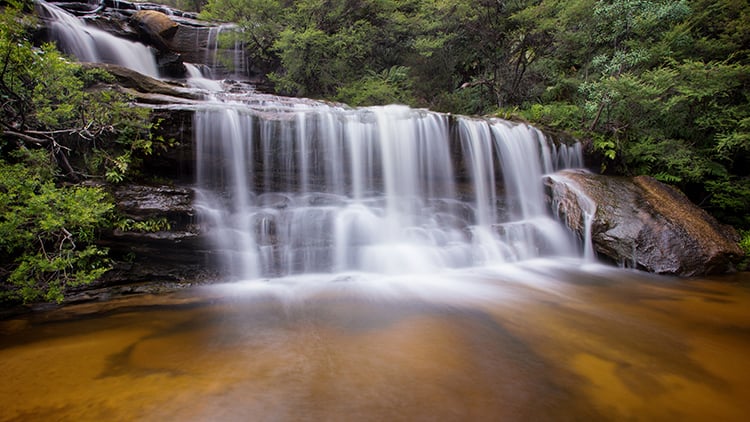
{"x":290,"y":188}
{"x":588,"y":210}
{"x":90,"y":44}
{"x":197,"y":80}
{"x":218,"y":60}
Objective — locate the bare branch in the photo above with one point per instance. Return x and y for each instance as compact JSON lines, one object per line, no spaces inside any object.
{"x":28,"y":138}
{"x":55,"y":148}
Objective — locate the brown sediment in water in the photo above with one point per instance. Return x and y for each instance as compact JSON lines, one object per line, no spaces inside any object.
{"x":588,"y":348}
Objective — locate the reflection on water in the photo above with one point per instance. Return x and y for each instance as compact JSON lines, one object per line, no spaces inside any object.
{"x":540,"y":341}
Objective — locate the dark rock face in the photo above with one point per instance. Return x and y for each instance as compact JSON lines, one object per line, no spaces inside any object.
{"x":644,"y":223}
{"x":178,"y":253}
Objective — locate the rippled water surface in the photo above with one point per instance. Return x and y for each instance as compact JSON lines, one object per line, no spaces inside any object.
{"x":538,"y":341}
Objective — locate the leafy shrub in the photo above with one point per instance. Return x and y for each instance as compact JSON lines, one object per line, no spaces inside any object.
{"x":744,"y":265}
{"x":57,"y":129}
{"x":47,"y":231}
{"x":389,"y":86}
{"x":143,"y":226}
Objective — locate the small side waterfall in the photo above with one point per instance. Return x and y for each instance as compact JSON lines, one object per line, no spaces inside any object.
{"x":587,"y":208}
{"x":304,"y":187}
{"x":197,"y":80}
{"x":229,"y":61}
{"x":89,"y":44}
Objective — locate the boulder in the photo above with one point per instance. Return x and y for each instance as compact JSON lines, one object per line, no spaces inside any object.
{"x":156,"y":29}
{"x":154,"y":23}
{"x":643,"y":223}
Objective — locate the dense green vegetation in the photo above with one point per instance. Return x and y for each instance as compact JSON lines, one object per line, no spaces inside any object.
{"x":56,"y":131}
{"x":656,"y":87}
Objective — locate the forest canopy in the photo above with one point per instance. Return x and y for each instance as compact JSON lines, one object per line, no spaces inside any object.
{"x":656,"y":87}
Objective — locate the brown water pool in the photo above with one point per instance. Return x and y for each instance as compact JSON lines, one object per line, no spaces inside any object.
{"x":540,"y":342}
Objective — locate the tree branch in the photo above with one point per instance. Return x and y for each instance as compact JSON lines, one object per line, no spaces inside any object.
{"x":598,"y":115}
{"x":55,"y":148}
{"x":28,"y":138}
{"x":62,"y":160}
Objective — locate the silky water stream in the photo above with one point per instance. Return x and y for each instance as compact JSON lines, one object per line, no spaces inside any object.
{"x":382,"y":264}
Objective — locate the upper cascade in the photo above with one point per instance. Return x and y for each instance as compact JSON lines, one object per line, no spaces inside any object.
{"x":89,"y":44}
{"x":152,"y":39}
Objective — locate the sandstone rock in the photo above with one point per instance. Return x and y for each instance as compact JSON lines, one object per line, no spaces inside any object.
{"x":156,"y":29}
{"x":153,"y":23}
{"x":644,"y":223}
{"x":138,"y":82}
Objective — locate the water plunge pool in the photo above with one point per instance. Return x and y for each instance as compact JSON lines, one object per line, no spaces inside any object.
{"x":541,"y":340}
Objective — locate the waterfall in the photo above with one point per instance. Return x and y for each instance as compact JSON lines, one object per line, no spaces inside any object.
{"x":288,"y":187}
{"x":197,"y":80}
{"x":587,"y":207}
{"x":235,"y":65}
{"x":89,"y":44}
{"x":304,"y":187}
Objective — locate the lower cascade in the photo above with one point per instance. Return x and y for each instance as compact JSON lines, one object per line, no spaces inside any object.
{"x":293,"y":187}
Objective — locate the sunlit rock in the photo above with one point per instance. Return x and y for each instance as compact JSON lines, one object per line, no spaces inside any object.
{"x":144,"y":87}
{"x":154,"y":22}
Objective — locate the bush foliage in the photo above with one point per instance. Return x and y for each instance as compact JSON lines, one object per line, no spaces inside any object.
{"x":47,"y":231}
{"x":56,"y":132}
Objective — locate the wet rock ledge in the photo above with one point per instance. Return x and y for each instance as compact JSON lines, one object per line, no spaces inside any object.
{"x":159,"y":240}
